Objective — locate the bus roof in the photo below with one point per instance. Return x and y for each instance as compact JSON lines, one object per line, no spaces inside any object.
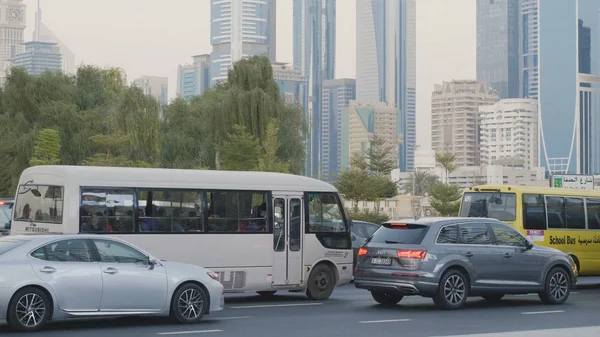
{"x":97,"y":176}
{"x":534,"y":190}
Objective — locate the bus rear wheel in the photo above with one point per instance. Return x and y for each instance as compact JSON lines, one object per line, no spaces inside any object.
{"x":320,"y":283}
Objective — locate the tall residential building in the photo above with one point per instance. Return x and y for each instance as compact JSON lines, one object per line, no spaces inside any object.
{"x":386,"y":62}
{"x":314,"y":55}
{"x":43,"y":34}
{"x":38,"y":58}
{"x":240,"y":28}
{"x":337,"y":95}
{"x":498,"y":25}
{"x":509,"y":133}
{"x":291,"y":83}
{"x":455,"y":119}
{"x":193,"y":79}
{"x":155,"y":86}
{"x":364,"y":120}
{"x":12,"y":32}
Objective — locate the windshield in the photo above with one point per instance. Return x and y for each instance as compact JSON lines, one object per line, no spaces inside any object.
{"x":5,"y":215}
{"x":7,"y":244}
{"x":39,"y":203}
{"x":496,"y":205}
{"x":406,"y":234}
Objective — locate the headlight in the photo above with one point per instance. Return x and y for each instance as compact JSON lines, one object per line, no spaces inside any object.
{"x":213,"y":276}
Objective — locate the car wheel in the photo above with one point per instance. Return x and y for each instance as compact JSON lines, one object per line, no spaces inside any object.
{"x":320,"y":283}
{"x":557,"y":287}
{"x":386,"y":298}
{"x":189,"y":304}
{"x":29,"y":310}
{"x":453,"y":290}
{"x":493,"y":298}
{"x":269,"y":293}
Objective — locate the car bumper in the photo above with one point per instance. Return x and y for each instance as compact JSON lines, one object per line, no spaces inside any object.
{"x":406,"y":283}
{"x":217,"y":297}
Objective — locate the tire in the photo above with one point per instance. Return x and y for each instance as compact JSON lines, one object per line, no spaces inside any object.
{"x":189,"y":304}
{"x":386,"y":298}
{"x":557,"y":287}
{"x":321,"y":283}
{"x":493,"y":298}
{"x":453,"y":290}
{"x":27,"y":304}
{"x":268,"y":293}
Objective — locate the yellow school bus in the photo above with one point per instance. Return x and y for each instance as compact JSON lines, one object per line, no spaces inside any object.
{"x":561,"y":218}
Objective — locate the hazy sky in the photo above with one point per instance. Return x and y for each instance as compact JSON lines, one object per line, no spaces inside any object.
{"x":151,"y":37}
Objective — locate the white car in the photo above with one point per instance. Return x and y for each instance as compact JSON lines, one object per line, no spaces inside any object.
{"x":56,"y":277}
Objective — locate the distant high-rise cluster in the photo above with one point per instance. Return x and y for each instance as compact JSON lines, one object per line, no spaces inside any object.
{"x":546,"y":52}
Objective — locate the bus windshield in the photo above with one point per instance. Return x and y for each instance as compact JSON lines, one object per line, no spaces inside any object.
{"x":496,"y":205}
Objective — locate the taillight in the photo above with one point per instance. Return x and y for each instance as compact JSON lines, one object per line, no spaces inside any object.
{"x":362,"y":251}
{"x":411,"y":254}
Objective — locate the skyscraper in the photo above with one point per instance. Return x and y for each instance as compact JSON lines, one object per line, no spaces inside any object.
{"x":291,"y":83}
{"x":498,"y":45}
{"x":240,"y":28}
{"x":386,"y":63}
{"x":314,"y":55}
{"x":155,"y":86}
{"x":337,"y":95}
{"x":38,"y":58}
{"x":12,"y":31}
{"x":193,"y":79}
{"x":43,"y":33}
{"x":556,"y":73}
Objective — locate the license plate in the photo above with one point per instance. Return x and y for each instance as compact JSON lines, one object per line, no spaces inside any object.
{"x":386,"y":261}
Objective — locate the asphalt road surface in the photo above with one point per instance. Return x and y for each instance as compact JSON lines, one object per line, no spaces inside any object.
{"x":352,"y":312}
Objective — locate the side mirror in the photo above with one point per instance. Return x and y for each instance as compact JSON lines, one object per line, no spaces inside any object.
{"x":528,"y":245}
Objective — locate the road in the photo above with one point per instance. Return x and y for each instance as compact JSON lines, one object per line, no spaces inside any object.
{"x":352,"y":312}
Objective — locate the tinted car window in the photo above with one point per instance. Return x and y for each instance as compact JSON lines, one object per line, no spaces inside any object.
{"x":8,"y":244}
{"x":475,"y":234}
{"x":448,"y":234}
{"x":405,"y":233}
{"x":76,"y":250}
{"x":506,"y":236}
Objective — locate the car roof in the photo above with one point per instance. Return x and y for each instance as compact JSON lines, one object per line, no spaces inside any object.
{"x":430,"y":221}
{"x":51,"y":237}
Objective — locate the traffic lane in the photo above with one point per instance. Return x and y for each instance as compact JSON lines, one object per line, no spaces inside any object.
{"x":351,"y":312}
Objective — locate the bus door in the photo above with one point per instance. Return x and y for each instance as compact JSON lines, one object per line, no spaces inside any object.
{"x":287,"y":239}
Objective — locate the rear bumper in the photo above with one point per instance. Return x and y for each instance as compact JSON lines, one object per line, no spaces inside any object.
{"x":406,"y":286}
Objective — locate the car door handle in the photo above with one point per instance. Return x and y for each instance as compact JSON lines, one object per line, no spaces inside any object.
{"x":48,"y":270}
{"x":507,"y":255}
{"x":469,"y":254}
{"x":110,"y":270}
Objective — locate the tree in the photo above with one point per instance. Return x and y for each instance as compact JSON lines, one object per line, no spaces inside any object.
{"x":423,"y":181}
{"x":240,"y":151}
{"x":269,"y":162}
{"x":446,"y":161}
{"x":353,"y":185}
{"x":47,"y":148}
{"x":381,"y":156}
{"x":445,"y":199}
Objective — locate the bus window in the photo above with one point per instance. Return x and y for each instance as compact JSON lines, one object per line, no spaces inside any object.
{"x":234,"y":212}
{"x":39,"y":203}
{"x":575,"y":213}
{"x":500,"y":206}
{"x":556,"y":212}
{"x":324,"y":214}
{"x":172,"y":211}
{"x":106,"y":210}
{"x":593,"y":213}
{"x":534,"y":212}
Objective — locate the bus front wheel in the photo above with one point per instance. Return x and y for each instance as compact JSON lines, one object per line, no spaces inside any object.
{"x":320,"y":283}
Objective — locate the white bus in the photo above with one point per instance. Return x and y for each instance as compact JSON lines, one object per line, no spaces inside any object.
{"x":259,"y":231}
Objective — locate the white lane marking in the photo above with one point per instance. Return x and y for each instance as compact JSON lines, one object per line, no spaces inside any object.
{"x":542,"y":312}
{"x":186,"y":332}
{"x":386,"y":321}
{"x":228,"y":318}
{"x":274,"y":305}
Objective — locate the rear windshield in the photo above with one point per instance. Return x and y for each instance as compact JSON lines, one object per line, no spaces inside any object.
{"x":7,"y":244}
{"x":407,"y":234}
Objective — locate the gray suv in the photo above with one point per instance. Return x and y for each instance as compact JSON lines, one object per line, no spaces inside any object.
{"x":450,"y":259}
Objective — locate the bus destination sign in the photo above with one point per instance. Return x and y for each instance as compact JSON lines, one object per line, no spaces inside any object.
{"x":576,"y":181}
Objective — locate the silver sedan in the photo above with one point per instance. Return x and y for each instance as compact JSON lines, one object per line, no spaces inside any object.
{"x":48,"y":278}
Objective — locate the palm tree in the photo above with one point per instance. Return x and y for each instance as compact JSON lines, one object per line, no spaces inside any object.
{"x":446,"y":161}
{"x":423,"y":182}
